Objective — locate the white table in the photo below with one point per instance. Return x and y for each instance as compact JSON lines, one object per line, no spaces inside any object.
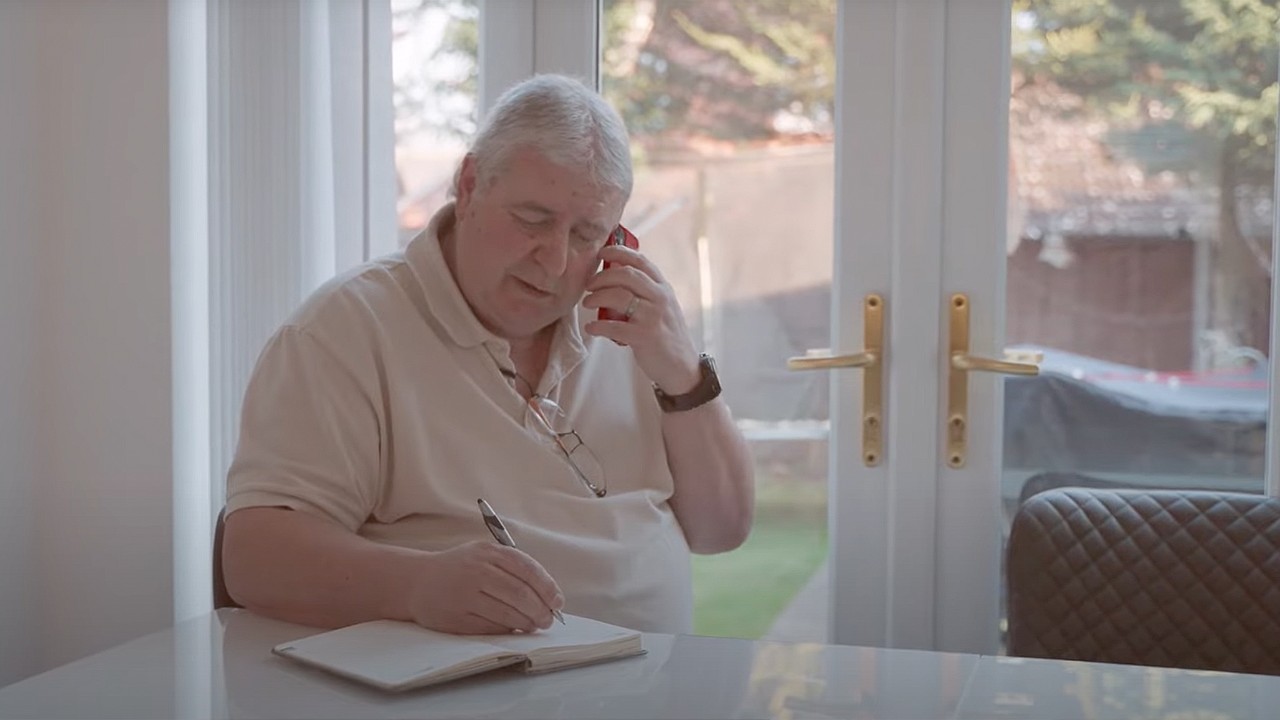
{"x":220,"y":666}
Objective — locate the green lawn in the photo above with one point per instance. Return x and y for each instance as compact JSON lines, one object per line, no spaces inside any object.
{"x":739,"y":593}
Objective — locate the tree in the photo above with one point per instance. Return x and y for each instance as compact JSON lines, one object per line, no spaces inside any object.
{"x":683,"y":70}
{"x":439,"y":93}
{"x":676,"y":70}
{"x":1188,"y":86}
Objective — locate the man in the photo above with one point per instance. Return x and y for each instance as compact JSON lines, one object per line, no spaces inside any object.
{"x":472,"y":366}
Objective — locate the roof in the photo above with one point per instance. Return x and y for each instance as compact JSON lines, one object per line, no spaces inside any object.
{"x":1066,"y":181}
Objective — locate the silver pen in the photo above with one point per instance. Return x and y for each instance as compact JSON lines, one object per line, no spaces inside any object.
{"x":499,"y":532}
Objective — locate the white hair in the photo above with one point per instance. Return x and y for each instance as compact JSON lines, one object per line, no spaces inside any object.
{"x":561,"y":119}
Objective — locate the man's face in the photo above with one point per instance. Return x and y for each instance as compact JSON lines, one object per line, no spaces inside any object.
{"x":526,"y":241}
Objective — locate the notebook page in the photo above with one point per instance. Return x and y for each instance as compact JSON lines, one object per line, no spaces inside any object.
{"x":576,"y":631}
{"x":580,"y":640}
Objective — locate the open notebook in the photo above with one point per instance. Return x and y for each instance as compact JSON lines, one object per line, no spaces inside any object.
{"x":397,"y":656}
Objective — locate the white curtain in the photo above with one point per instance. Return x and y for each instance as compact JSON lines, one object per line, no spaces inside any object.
{"x":299,"y":182}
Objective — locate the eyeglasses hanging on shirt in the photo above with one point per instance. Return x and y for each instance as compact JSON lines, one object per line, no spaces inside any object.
{"x":553,"y":427}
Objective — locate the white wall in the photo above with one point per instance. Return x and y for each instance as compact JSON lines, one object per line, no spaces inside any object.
{"x":84,"y":296}
{"x":19,"y":613}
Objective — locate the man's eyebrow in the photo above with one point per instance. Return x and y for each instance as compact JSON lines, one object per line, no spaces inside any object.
{"x":594,"y":228}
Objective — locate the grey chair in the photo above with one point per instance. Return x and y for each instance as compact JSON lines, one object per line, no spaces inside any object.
{"x":221,"y":598}
{"x":1187,"y":579}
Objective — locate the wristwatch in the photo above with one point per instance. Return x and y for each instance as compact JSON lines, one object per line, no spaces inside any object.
{"x":707,"y":389}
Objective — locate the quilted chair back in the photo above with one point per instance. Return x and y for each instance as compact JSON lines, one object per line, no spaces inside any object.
{"x":1186,"y":579}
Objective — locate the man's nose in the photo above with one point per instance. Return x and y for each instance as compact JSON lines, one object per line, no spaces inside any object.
{"x":553,"y":250}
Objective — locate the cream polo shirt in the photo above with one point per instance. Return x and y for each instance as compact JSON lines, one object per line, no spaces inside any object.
{"x":380,"y":405}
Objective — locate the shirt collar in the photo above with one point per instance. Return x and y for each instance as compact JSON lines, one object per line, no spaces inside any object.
{"x":449,"y":307}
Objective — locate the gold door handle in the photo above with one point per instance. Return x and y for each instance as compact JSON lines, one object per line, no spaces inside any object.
{"x":971,"y":363}
{"x":822,"y":360}
{"x":869,"y":359}
{"x":962,"y":363}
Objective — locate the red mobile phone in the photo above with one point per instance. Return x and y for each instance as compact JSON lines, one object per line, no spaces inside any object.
{"x":619,"y":236}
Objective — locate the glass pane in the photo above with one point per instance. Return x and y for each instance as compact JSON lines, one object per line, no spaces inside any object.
{"x":730,"y":109}
{"x":1142,"y":149}
{"x":434,"y":71}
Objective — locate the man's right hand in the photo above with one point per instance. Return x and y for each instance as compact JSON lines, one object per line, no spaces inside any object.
{"x":300,"y":568}
{"x":482,"y":588}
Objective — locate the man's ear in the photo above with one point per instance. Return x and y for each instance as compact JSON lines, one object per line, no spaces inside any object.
{"x":466,"y":183}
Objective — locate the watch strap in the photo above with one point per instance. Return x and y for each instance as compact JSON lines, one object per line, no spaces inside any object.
{"x":707,"y":389}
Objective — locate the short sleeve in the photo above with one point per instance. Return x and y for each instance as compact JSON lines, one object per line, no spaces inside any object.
{"x":309,"y":433}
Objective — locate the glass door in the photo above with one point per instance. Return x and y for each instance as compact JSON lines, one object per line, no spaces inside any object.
{"x":770,"y":139}
{"x":1134,"y":262}
{"x":1139,"y":255}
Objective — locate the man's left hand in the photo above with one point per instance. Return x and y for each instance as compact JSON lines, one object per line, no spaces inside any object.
{"x":656,"y":330}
